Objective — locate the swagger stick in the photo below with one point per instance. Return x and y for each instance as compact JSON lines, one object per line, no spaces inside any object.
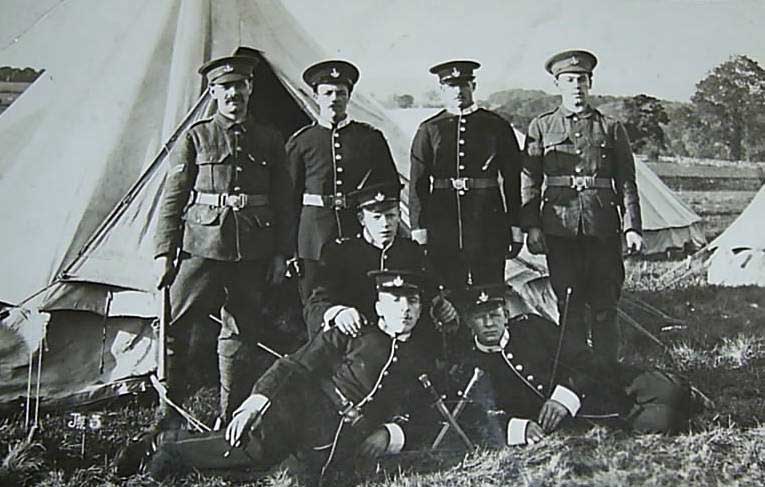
{"x":563,"y":321}
{"x":441,"y":408}
{"x":477,"y":374}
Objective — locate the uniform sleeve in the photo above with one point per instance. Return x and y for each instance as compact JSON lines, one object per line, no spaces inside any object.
{"x":531,"y":179}
{"x":421,"y":157}
{"x":181,"y":174}
{"x":283,"y":198}
{"x":296,"y":169}
{"x":511,"y":167}
{"x":626,"y":185}
{"x":326,"y":293}
{"x":317,"y":358}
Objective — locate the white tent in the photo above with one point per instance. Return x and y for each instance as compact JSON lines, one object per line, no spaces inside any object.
{"x":738,"y":254}
{"x":668,"y":223}
{"x":81,"y":169}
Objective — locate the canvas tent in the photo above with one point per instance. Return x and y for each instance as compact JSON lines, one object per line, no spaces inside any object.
{"x":668,"y":223}
{"x":120,"y":81}
{"x":738,"y":254}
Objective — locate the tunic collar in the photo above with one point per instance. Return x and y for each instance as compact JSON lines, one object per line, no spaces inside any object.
{"x":465,"y":111}
{"x":588,"y":112}
{"x":494,"y":348}
{"x":228,"y":124}
{"x":327,"y":124}
{"x":368,"y":239}
{"x":402,"y":337}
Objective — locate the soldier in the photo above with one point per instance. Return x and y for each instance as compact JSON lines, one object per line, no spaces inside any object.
{"x":327,"y":160}
{"x":590,"y":202}
{"x":223,"y":231}
{"x":540,"y":381}
{"x":344,"y":296}
{"x":335,"y":399}
{"x":456,"y":205}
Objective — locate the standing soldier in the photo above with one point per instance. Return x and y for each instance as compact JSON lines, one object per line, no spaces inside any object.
{"x":327,"y":160}
{"x":459,"y":159}
{"x":223,"y":229}
{"x":590,"y":202}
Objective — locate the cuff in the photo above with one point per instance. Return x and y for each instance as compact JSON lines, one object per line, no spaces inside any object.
{"x":420,"y":236}
{"x":517,"y":234}
{"x":331,"y":314}
{"x":516,"y":431}
{"x":397,"y":438}
{"x":568,"y":398}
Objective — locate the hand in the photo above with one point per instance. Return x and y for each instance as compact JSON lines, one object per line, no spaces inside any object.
{"x":276,"y":270}
{"x":536,"y":241}
{"x":551,"y":415}
{"x":444,"y":314}
{"x":244,"y":415}
{"x":634,"y":242}
{"x":349,"y":321}
{"x":515,"y":249}
{"x":166,"y":269}
{"x":534,"y":433}
{"x":376,"y":444}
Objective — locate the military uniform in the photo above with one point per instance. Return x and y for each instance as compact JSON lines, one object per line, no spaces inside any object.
{"x":226,"y":209}
{"x":455,"y":199}
{"x":327,"y":162}
{"x":521,"y":367}
{"x":585,"y":165}
{"x":324,"y":400}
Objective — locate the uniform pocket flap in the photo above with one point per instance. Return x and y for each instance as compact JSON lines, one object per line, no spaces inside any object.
{"x":555,"y":138}
{"x":203,"y":214}
{"x":263,"y":216}
{"x":211,"y":155}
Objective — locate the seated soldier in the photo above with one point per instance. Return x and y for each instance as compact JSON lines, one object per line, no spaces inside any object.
{"x":336,"y":399}
{"x":540,"y":380}
{"x":344,"y":296}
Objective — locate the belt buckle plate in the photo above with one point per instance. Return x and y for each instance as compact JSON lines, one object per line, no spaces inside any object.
{"x":236,"y":201}
{"x":579,"y":183}
{"x":338,"y":202}
{"x":459,"y":184}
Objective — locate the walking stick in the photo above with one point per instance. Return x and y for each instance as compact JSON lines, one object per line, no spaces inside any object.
{"x":164,"y":320}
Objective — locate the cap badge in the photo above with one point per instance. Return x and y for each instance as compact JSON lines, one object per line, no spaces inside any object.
{"x":334,"y":73}
{"x":227,"y":68}
{"x":456,"y":72}
{"x":575,"y":61}
{"x":398,"y":281}
{"x":379,"y":197}
{"x":483,"y":297}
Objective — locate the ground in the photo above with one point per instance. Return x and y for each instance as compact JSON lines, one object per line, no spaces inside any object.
{"x":713,"y":335}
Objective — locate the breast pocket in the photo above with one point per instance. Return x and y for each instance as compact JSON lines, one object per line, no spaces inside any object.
{"x":214,"y":174}
{"x":559,"y":153}
{"x":602,"y":153}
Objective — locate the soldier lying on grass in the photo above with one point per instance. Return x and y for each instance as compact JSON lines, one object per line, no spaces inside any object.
{"x":541,"y":380}
{"x":334,"y":401}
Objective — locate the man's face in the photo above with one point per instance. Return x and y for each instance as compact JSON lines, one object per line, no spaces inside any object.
{"x":381,"y":224}
{"x":488,"y":323}
{"x":332,"y":99}
{"x":457,"y":94}
{"x":399,"y":310}
{"x":232,"y":98}
{"x":574,"y":88}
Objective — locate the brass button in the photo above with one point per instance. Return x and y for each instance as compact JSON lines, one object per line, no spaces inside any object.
{"x":339,"y":169}
{"x":339,"y":183}
{"x":461,"y":192}
{"x":578,"y":170}
{"x":519,"y":367}
{"x":337,"y":144}
{"x":462,"y":154}
{"x":462,"y":141}
{"x":238,"y":168}
{"x":578,"y":134}
{"x":461,"y":167}
{"x":338,"y":157}
{"x":602,"y":156}
{"x":462,"y":129}
{"x":579,"y":151}
{"x":529,"y":378}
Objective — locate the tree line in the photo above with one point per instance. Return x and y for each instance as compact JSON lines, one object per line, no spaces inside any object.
{"x":725,"y":118}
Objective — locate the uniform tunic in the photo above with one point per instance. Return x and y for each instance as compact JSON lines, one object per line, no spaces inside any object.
{"x":520,"y":369}
{"x":224,"y":252}
{"x":583,"y":226}
{"x":374,"y":375}
{"x":344,"y":282}
{"x":330,"y":162}
{"x":468,"y":228}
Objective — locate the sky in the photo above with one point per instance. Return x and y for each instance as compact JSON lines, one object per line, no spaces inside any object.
{"x":658,"y":47}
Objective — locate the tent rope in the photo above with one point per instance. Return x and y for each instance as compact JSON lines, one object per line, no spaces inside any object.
{"x":39,"y":380}
{"x":16,"y":38}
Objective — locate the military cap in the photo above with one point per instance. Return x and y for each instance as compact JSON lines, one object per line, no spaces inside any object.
{"x":575,"y":61}
{"x":333,"y":71}
{"x":455,"y":70}
{"x":392,"y":280}
{"x":228,"y":69}
{"x":477,"y":296}
{"x":378,"y":195}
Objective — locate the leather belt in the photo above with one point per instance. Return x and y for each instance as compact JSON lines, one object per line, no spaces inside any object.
{"x":345,"y":407}
{"x":464,"y":184}
{"x":324,"y":200}
{"x":579,"y":183}
{"x":235,"y":201}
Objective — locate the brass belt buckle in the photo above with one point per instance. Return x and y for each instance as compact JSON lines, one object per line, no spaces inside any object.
{"x":459,"y":184}
{"x":235,"y":201}
{"x":579,"y":183}
{"x":338,"y":202}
